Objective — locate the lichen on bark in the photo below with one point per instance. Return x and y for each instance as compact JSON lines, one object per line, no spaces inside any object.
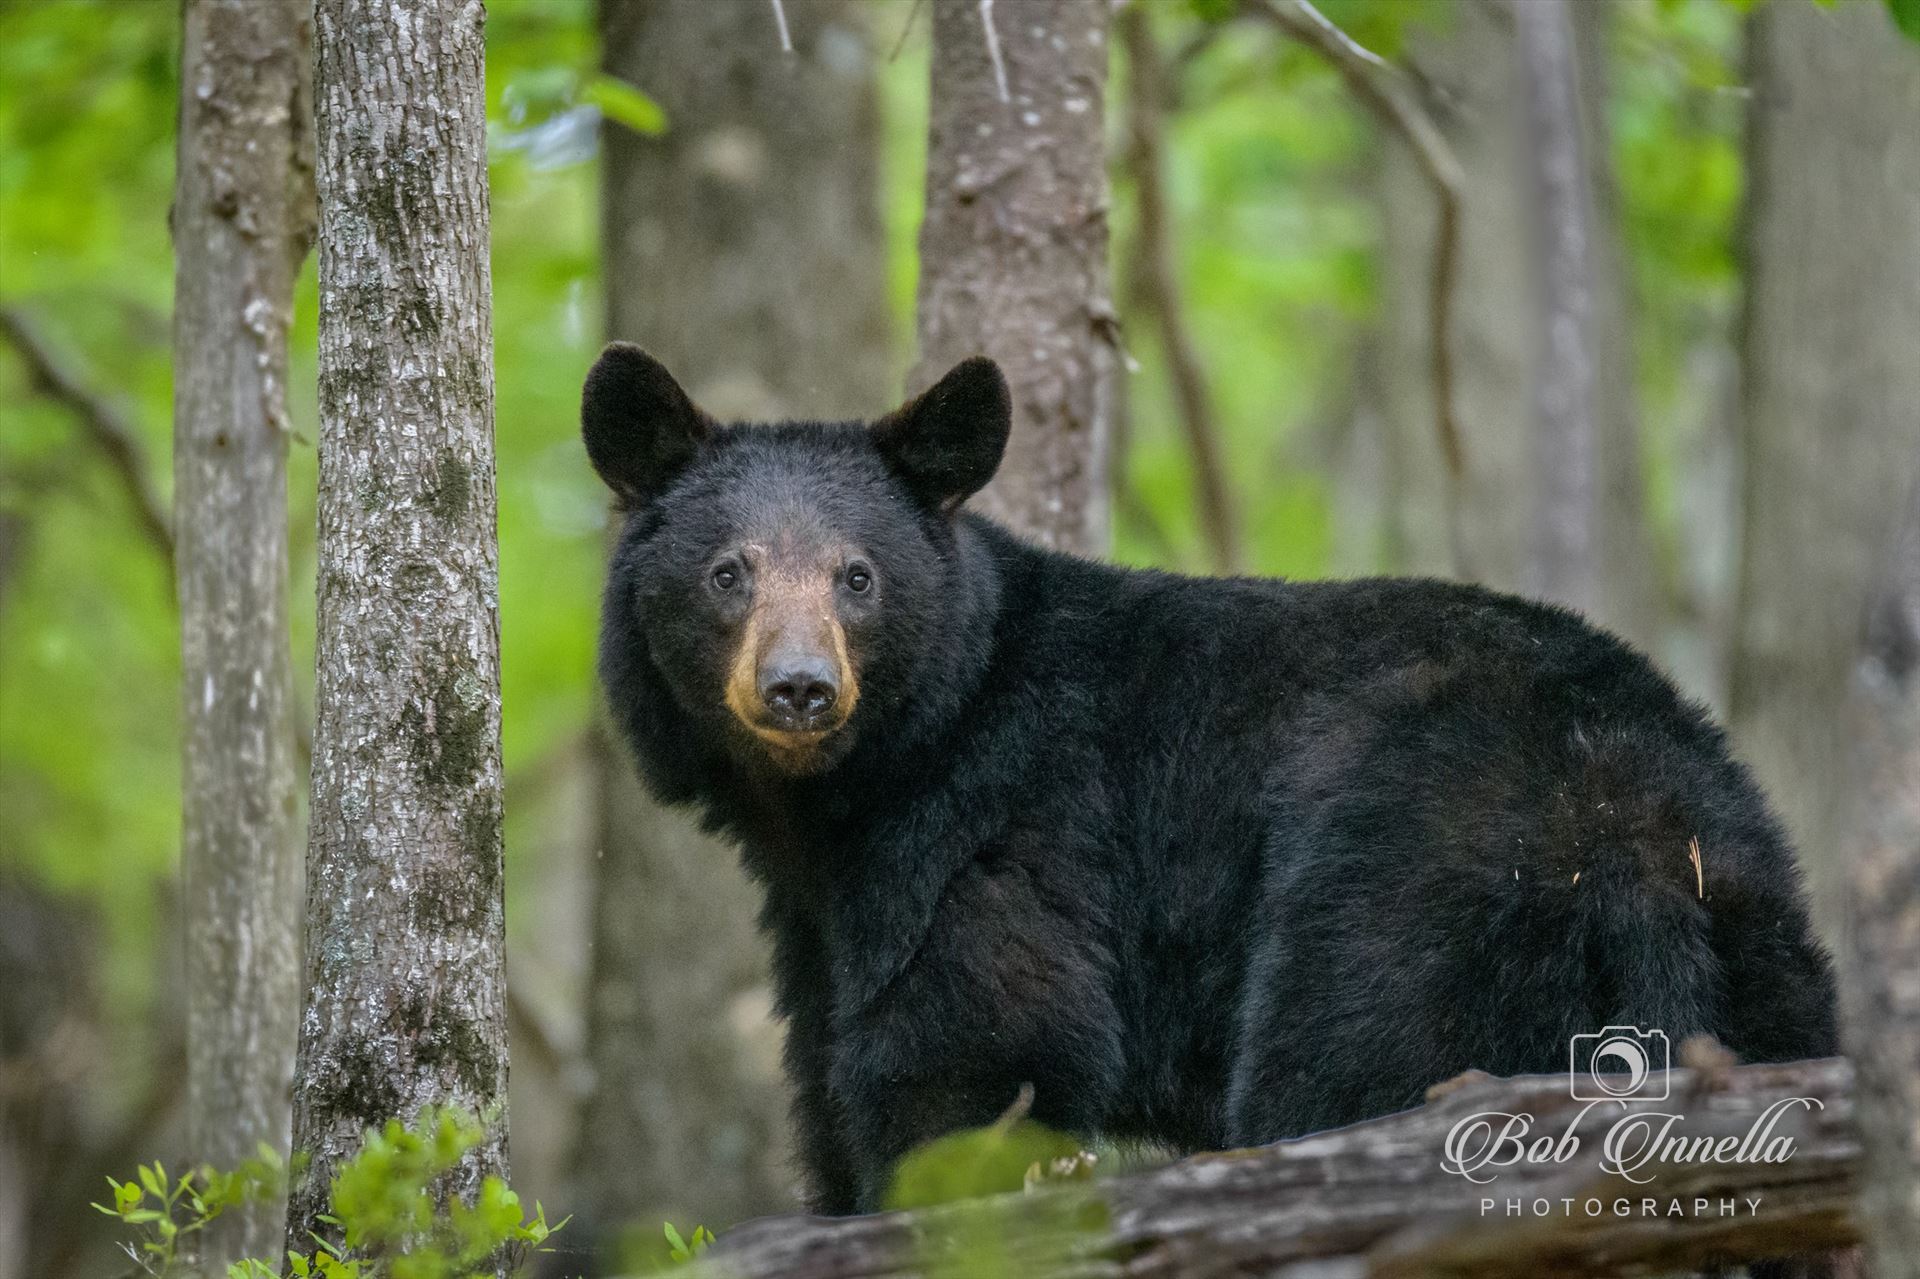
{"x":406,"y":1000}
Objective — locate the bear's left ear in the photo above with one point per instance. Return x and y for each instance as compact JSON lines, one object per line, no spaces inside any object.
{"x":947,"y":443}
{"x":640,"y":427}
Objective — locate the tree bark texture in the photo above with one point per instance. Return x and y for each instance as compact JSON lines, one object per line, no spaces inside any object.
{"x":1372,"y":1200}
{"x":242,"y":224}
{"x":1566,"y":549}
{"x":1013,"y":252}
{"x":1470,"y":65}
{"x":405,"y":962}
{"x":1880,"y":897}
{"x":744,"y":247}
{"x":1830,"y":383}
{"x":1630,"y":592}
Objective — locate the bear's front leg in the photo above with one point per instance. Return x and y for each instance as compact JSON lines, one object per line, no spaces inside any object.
{"x":820,"y":1137}
{"x":1010,"y":986}
{"x":802,"y":983}
{"x":887,"y":1120}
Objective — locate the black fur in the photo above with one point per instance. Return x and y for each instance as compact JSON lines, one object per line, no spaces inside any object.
{"x":639,"y":426}
{"x":1207,"y":862}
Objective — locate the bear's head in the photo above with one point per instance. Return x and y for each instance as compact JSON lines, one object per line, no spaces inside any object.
{"x":785,"y":585}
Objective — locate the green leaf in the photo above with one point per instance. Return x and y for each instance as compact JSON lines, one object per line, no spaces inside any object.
{"x":1906,"y":16}
{"x":622,"y":103}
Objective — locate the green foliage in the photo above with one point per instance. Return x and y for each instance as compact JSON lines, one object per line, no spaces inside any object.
{"x":393,"y":1217}
{"x":1275,"y":235}
{"x":682,"y":1249}
{"x":1008,"y":1155}
{"x":624,"y":104}
{"x":1214,"y":11}
{"x":1906,"y":16}
{"x":165,"y":1214}
{"x":972,"y":1235}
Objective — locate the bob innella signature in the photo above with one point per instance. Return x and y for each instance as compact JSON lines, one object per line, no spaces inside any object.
{"x":1635,"y":1146}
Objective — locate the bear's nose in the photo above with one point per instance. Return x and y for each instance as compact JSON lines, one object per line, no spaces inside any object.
{"x":799,"y":693}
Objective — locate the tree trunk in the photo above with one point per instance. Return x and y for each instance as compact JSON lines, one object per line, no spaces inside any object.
{"x":1013,"y":252}
{"x":1880,"y":954}
{"x":1471,"y":61}
{"x":1630,"y":595}
{"x":1566,"y":551}
{"x":242,"y":223}
{"x":1830,"y":381}
{"x":744,"y":247}
{"x":405,"y":964}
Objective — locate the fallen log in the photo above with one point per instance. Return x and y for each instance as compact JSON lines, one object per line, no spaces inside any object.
{"x":1758,"y":1162}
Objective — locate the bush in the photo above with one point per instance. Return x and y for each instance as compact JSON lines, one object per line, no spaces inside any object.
{"x":391,"y":1216}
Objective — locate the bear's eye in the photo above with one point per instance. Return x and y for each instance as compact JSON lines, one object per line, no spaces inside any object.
{"x":726,"y":577}
{"x":859,"y":579}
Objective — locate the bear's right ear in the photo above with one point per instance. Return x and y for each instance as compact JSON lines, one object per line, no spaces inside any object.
{"x":640,"y":427}
{"x":947,"y":443}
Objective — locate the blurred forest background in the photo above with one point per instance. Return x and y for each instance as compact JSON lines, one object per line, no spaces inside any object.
{"x":664,"y":172}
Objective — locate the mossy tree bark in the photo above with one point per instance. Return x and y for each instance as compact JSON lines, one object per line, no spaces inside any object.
{"x":242,"y":223}
{"x":1013,"y":251}
{"x":1829,"y":382}
{"x":744,"y":247}
{"x":405,"y":962}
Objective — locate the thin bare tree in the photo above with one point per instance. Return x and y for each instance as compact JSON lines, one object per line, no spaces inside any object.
{"x":1566,"y":545}
{"x":1154,"y":285}
{"x":242,"y":224}
{"x":405,"y":960}
{"x":1469,"y":79}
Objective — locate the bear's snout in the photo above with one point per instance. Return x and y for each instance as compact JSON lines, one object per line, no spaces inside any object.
{"x":792,"y":682}
{"x":798,"y":689}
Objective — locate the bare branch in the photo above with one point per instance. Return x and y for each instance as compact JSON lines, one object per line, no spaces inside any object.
{"x":1156,"y":286}
{"x":1332,"y":33}
{"x":113,"y":434}
{"x":1395,"y":106}
{"x":1374,"y":1198}
{"x":906,"y":29}
{"x":993,"y":50}
{"x":106,"y":425}
{"x":780,"y":20}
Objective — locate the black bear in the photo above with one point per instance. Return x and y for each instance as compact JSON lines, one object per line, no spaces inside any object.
{"x":1206,"y":862}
